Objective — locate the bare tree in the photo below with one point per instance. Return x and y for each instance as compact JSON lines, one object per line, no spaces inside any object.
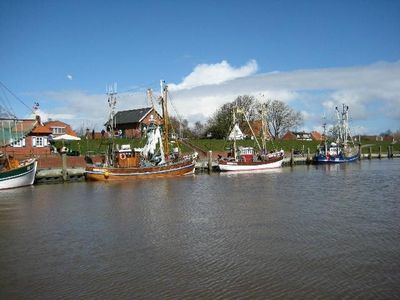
{"x":198,"y":129}
{"x":281,"y":117}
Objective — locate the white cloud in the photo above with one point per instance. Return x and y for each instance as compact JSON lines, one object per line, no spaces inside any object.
{"x":210,"y":74}
{"x":69,"y":76}
{"x":45,"y":116}
{"x":372,"y":92}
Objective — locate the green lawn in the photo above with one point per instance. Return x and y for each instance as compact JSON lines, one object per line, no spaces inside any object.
{"x":222,"y":145}
{"x":100,"y":146}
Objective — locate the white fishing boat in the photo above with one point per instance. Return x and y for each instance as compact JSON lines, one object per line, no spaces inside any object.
{"x":246,"y":158}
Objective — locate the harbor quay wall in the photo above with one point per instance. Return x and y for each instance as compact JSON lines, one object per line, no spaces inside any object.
{"x":55,"y":168}
{"x":55,"y":161}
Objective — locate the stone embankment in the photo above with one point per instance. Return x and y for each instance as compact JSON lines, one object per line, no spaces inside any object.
{"x":61,"y":168}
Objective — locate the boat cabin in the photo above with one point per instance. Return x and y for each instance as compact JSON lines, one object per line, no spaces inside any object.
{"x":246,"y":153}
{"x":332,"y":150}
{"x":126,"y":157}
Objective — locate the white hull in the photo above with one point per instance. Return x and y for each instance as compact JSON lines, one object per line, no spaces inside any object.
{"x":26,"y":177}
{"x":235,"y":166}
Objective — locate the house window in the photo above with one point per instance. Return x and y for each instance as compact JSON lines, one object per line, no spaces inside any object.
{"x":39,"y":141}
{"x":18,"y":144}
{"x":58,"y":130}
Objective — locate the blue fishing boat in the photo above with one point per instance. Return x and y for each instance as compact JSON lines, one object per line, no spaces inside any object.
{"x":341,"y":148}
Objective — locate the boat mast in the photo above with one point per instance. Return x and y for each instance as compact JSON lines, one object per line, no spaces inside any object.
{"x":164,"y":105}
{"x":150,"y":97}
{"x":339,"y":126}
{"x":324,"y":126}
{"x":346,"y":123}
{"x":251,"y":129}
{"x":234,"y":132}
{"x":111,"y":92}
{"x":263,"y":127}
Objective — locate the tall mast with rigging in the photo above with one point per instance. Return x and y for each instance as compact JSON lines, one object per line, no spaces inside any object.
{"x":234,"y":133}
{"x":111,"y":92}
{"x":164,"y":105}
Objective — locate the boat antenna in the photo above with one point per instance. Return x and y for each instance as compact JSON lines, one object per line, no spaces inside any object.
{"x":150,"y":97}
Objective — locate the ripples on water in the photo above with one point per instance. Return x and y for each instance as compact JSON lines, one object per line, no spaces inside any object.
{"x":308,"y":232}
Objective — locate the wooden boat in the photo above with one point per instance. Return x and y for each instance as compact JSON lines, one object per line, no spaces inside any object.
{"x":246,"y":158}
{"x":179,"y":168}
{"x":342,"y":149}
{"x":17,"y":173}
{"x":154,"y":160}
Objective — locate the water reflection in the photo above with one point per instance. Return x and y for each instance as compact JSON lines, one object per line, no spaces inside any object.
{"x":266,"y":171}
{"x":302,"y":232}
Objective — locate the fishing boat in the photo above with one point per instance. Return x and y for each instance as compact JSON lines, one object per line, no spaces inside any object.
{"x":341,"y":148}
{"x":16,"y":173}
{"x":154,"y":160}
{"x":247,"y":158}
{"x":13,"y":172}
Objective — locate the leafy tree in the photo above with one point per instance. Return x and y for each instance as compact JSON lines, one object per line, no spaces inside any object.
{"x":220,"y":124}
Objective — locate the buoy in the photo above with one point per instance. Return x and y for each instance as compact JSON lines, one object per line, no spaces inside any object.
{"x":106,"y":174}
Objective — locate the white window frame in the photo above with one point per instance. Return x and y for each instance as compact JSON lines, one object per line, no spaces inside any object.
{"x":39,"y":141}
{"x":19,"y":143}
{"x":58,"y":130}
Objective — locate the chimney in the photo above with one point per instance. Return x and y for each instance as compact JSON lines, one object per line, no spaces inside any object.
{"x":38,"y":120}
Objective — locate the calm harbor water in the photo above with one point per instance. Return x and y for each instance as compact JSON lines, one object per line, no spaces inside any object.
{"x":309,"y":232}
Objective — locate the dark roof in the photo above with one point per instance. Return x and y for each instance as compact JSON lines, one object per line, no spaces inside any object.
{"x":131,"y":116}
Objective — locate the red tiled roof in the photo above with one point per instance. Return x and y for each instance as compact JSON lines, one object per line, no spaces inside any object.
{"x":55,"y":123}
{"x":316,"y":136}
{"x":41,"y":129}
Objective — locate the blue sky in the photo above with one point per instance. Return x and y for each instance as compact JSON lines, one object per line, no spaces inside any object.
{"x":311,"y":54}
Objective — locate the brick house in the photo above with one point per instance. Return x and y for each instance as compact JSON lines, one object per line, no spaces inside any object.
{"x":37,"y":141}
{"x":132,"y":122}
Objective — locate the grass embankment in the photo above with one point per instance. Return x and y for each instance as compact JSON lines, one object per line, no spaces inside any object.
{"x":100,"y":146}
{"x":88,"y":146}
{"x":223,"y":145}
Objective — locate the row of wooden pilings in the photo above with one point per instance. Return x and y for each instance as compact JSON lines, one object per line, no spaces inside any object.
{"x":389,"y":152}
{"x":308,"y":159}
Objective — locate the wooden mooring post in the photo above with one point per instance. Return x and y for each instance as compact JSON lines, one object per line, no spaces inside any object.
{"x":209,"y":158}
{"x":64,"y":166}
{"x":380,"y":152}
{"x":369,"y":152}
{"x":292,"y":157}
{"x":388,"y":151}
{"x":308,"y":160}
